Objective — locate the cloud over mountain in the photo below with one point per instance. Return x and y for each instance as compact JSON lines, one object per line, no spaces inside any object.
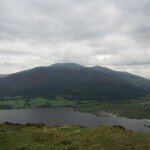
{"x":98,"y":32}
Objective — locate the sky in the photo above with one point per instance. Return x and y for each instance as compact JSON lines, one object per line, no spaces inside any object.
{"x":110,"y":33}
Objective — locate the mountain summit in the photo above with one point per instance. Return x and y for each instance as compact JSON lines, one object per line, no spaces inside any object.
{"x":67,"y":65}
{"x":75,"y":82}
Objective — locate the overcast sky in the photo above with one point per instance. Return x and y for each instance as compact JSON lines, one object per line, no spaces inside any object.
{"x":111,"y":33}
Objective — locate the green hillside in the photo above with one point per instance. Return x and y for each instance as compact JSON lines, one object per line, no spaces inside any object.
{"x":41,"y":137}
{"x":73,"y":81}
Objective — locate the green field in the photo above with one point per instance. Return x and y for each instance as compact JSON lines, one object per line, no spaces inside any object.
{"x":13,"y":103}
{"x":139,"y":109}
{"x":41,"y":137}
{"x":129,"y":109}
{"x":38,"y":102}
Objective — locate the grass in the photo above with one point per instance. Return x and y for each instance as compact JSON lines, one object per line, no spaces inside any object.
{"x":41,"y":102}
{"x":41,"y":137}
{"x":38,"y":102}
{"x":33,"y":103}
{"x":129,"y":109}
{"x":60,"y":103}
{"x":16,"y":103}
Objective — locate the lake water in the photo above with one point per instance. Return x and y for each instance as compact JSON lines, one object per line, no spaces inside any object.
{"x":67,"y":116}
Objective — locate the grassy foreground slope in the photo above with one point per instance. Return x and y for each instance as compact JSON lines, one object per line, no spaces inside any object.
{"x":41,"y":137}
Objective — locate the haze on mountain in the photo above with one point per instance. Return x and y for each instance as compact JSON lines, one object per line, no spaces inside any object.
{"x":3,"y":75}
{"x":73,"y":81}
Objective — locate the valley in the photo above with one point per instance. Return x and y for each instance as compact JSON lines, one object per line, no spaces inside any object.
{"x":135,"y":109}
{"x":68,"y":106}
{"x":74,"y":75}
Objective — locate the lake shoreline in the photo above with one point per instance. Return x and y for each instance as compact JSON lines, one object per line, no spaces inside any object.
{"x":69,"y":116}
{"x":78,"y":110}
{"x":127,"y":109}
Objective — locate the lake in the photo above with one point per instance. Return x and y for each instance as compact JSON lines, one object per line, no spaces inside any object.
{"x":67,"y":116}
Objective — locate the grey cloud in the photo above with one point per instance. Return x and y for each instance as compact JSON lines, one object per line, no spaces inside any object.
{"x":7,"y":64}
{"x":89,"y":32}
{"x":54,"y":20}
{"x":14,"y":52}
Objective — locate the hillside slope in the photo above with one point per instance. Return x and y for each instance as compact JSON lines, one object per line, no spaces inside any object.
{"x":3,"y":75}
{"x":76,"y":82}
{"x":38,"y":136}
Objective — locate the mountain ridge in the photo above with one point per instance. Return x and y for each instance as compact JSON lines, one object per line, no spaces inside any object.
{"x":74,"y":81}
{"x":3,"y":75}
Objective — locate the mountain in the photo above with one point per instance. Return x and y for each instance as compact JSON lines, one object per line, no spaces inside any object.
{"x":134,"y":79}
{"x":67,"y":65}
{"x":74,"y":81}
{"x":3,"y":75}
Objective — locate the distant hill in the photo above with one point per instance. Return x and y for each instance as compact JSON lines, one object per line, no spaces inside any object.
{"x":74,"y":81}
